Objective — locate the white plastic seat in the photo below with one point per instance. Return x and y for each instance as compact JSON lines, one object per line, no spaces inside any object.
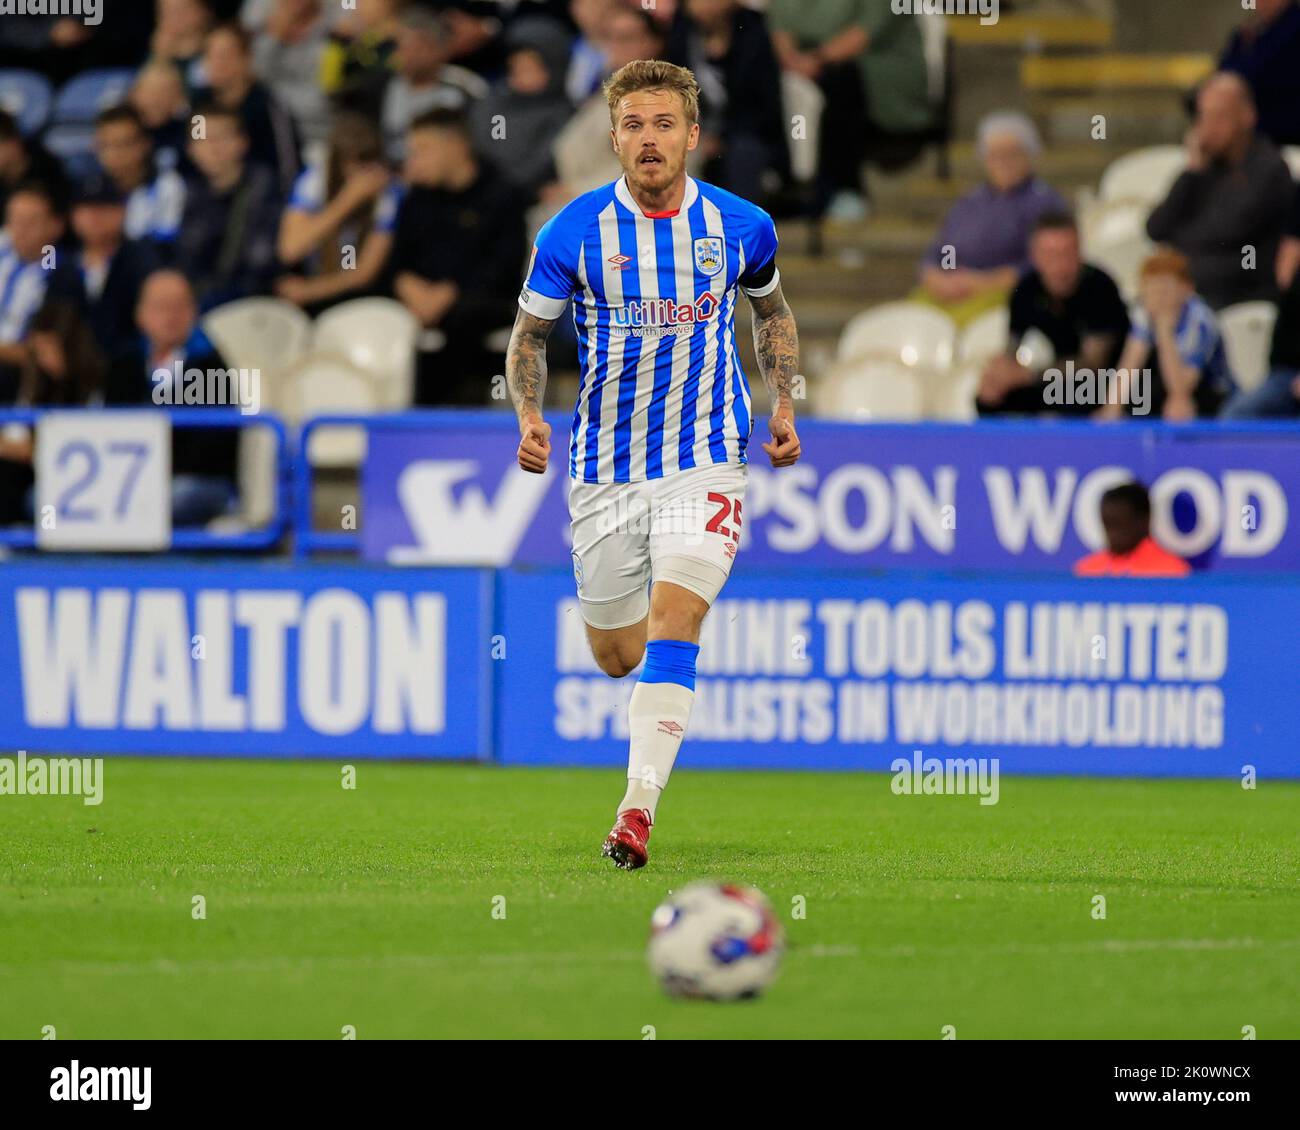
{"x":872,"y":390}
{"x":258,"y":476}
{"x":1122,"y":259}
{"x":1291,"y":154}
{"x":953,"y":397}
{"x":1247,"y":330}
{"x":1145,"y":174}
{"x":985,"y":337}
{"x":376,"y":336}
{"x":910,"y":332}
{"x":267,"y":334}
{"x":803,"y":98}
{"x":1112,"y":221}
{"x":325,"y":385}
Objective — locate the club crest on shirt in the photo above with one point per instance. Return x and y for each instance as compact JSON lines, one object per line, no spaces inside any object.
{"x":708,"y":254}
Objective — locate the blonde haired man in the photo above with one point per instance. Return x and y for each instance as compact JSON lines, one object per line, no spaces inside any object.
{"x":652,"y":263}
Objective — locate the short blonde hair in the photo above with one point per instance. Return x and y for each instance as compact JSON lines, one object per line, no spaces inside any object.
{"x":653,"y":74}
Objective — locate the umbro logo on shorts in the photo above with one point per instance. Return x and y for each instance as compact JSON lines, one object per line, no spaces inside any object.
{"x":667,"y":726}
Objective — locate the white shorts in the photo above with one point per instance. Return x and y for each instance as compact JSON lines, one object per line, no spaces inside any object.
{"x":684,"y":527}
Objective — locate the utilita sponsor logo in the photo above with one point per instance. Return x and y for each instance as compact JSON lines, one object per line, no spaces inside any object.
{"x":665,"y":311}
{"x":102,"y":1084}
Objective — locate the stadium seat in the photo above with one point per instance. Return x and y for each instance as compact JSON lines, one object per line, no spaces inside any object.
{"x":1121,"y":257}
{"x":871,"y":389}
{"x":953,"y":398}
{"x":1247,"y":330}
{"x":1291,"y":153}
{"x":83,"y":97}
{"x":1143,"y":175}
{"x":27,"y":96}
{"x":258,"y":477}
{"x":376,"y":336}
{"x":803,"y":97}
{"x":267,"y":334}
{"x":910,"y":332}
{"x":321,"y":385}
{"x":985,"y":337}
{"x":1112,"y":221}
{"x":73,"y":143}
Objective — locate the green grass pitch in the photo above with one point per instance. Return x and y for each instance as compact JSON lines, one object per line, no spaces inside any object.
{"x":374,"y":907}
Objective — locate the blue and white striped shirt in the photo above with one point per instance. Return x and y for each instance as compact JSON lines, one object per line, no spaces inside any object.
{"x":662,"y":388}
{"x":154,"y":209}
{"x":22,"y":290}
{"x":1200,"y":344}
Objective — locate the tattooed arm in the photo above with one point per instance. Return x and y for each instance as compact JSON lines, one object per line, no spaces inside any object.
{"x":526,"y":379}
{"x":776,"y":343}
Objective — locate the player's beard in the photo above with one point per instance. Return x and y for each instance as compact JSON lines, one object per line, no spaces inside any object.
{"x":653,"y":179}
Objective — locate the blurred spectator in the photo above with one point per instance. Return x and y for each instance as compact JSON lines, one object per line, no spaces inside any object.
{"x":424,"y":80}
{"x":587,"y":60}
{"x":1072,"y":306}
{"x":272,"y":136}
{"x":1288,"y":254}
{"x":155,"y":198}
{"x":1177,"y":334}
{"x":1235,"y":194}
{"x":476,"y":31}
{"x":226,"y":243}
{"x":515,"y":125}
{"x":61,"y":367}
{"x":59,"y":43}
{"x":870,"y":64}
{"x":101,"y":279}
{"x":1130,"y":550}
{"x":24,"y":160}
{"x":1265,"y":51}
{"x":983,"y":244}
{"x":457,"y":256}
{"x":583,"y":153}
{"x":358,"y":59}
{"x":28,"y":253}
{"x":204,"y":460}
{"x":1279,"y":395}
{"x":158,"y":97}
{"x":180,"y":30}
{"x":64,"y":365}
{"x":742,"y":120}
{"x":287,"y":52}
{"x":338,"y":227}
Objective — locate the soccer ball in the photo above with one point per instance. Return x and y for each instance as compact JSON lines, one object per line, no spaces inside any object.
{"x":715,"y":941}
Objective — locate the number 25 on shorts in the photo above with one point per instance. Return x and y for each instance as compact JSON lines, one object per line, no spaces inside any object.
{"x":725,"y":506}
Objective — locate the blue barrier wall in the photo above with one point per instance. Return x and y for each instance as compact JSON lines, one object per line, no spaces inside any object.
{"x":1142,"y":678}
{"x":246,"y":660}
{"x":443,"y":488}
{"x":812,"y":670}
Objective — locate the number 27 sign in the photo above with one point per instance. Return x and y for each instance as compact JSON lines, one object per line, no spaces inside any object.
{"x":103,"y":480}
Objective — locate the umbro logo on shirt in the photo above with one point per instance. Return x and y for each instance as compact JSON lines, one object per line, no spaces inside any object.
{"x":619,"y":262}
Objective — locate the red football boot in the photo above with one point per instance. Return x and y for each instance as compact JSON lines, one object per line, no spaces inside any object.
{"x":626,"y":842}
